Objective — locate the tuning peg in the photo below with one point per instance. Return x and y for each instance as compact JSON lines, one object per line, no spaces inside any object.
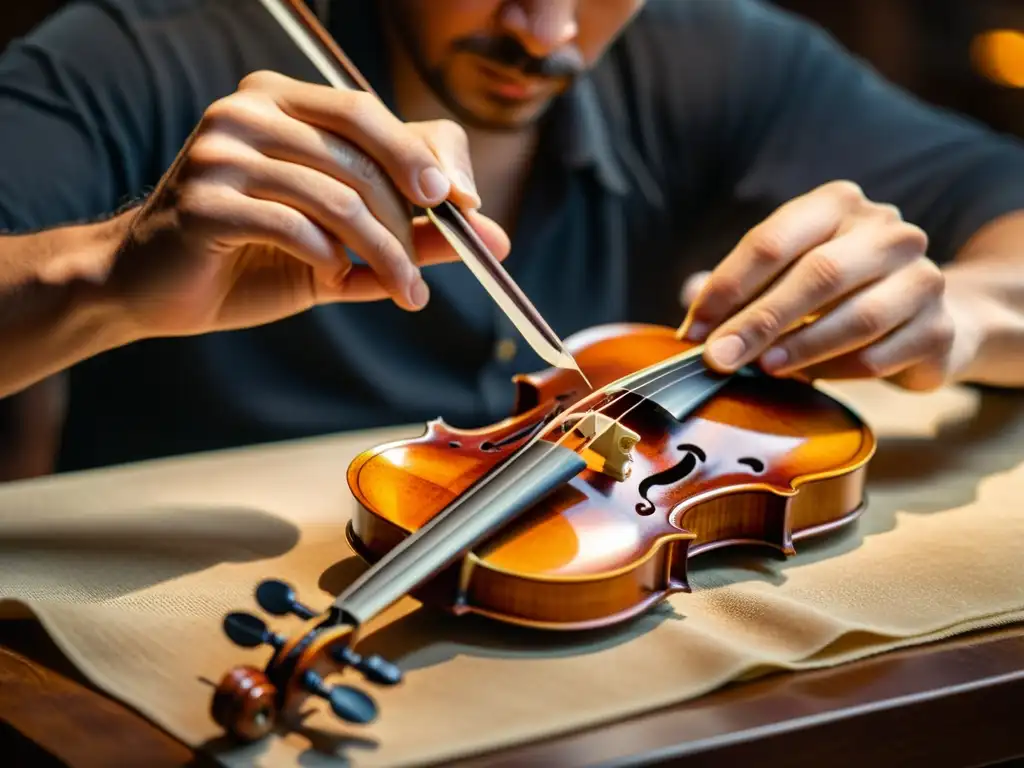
{"x":374,"y":668}
{"x":350,"y":704}
{"x":277,"y":598}
{"x":249,"y":631}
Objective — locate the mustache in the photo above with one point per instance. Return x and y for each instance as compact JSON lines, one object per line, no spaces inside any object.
{"x":509,"y":53}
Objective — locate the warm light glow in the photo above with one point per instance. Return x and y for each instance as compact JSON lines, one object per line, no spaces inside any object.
{"x":999,"y":56}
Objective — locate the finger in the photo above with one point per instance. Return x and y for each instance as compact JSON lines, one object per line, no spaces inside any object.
{"x":225,"y":217}
{"x":334,"y":206}
{"x":922,"y":343}
{"x":261,"y":125}
{"x":765,"y":252}
{"x":366,"y":122}
{"x":828,"y":273}
{"x":859,"y":320}
{"x":431,"y":247}
{"x":692,"y":287}
{"x":451,"y":147}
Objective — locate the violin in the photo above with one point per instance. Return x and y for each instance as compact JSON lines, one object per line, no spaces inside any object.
{"x":580,"y":510}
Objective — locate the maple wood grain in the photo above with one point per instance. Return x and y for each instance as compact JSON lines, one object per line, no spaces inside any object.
{"x":955,"y":703}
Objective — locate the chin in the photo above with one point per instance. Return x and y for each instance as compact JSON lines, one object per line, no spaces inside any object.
{"x":496,"y":114}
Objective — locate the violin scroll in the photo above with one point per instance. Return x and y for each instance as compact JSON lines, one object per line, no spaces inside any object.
{"x":249,"y":703}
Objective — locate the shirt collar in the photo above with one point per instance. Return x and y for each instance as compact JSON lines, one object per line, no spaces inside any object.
{"x":578,"y":132}
{"x":582,"y":137}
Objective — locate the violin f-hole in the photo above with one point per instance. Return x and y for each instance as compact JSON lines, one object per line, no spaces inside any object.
{"x":680,"y":471}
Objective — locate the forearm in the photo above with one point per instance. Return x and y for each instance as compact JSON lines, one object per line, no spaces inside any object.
{"x":985,"y":289}
{"x":54,"y":307}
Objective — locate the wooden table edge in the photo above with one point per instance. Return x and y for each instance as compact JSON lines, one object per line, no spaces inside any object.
{"x":898,"y":699}
{"x":733,"y":724}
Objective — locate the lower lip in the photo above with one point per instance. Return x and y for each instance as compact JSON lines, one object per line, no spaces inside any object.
{"x":509,"y":89}
{"x":513,"y":91}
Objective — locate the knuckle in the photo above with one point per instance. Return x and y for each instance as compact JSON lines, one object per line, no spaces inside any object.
{"x":908,"y":238}
{"x":868,"y":320}
{"x":287,"y":223}
{"x":765,"y":323}
{"x":345,"y":204}
{"x":260,"y":80}
{"x":826,"y":273}
{"x":358,"y":107}
{"x":238,"y":109}
{"x":766,"y":247}
{"x":930,"y":278}
{"x":390,"y":260}
{"x":207,"y":152}
{"x":941,"y":334}
{"x":723,"y":291}
{"x":849,"y":193}
{"x":887,"y":213}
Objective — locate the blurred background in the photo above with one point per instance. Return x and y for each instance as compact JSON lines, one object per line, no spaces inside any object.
{"x":965,"y":55}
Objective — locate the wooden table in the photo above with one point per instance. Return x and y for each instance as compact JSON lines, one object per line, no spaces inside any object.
{"x":956,"y":703}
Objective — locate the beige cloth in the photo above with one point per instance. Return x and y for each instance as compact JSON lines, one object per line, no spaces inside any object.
{"x":131,"y":570}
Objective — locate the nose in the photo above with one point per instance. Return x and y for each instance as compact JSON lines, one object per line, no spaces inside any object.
{"x":542,"y":26}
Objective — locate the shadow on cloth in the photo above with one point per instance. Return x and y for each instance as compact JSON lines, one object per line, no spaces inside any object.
{"x":428,"y":636}
{"x":156,"y":545}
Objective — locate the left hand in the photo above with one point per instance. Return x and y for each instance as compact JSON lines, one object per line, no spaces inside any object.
{"x":881,"y":303}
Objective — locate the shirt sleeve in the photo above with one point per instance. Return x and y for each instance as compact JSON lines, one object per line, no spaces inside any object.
{"x":800,"y":111}
{"x":76,"y":120}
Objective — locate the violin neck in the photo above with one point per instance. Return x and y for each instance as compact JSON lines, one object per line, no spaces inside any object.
{"x":535,"y":470}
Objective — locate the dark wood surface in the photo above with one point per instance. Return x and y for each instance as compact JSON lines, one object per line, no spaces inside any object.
{"x":955,"y":703}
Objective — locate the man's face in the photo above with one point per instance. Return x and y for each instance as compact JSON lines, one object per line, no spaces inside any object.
{"x":497,"y":64}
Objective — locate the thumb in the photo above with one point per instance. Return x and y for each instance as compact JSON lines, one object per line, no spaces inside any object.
{"x":451,"y":147}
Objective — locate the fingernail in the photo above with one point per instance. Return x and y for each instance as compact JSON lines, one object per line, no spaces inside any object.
{"x":433,"y":185}
{"x":419,"y":294}
{"x":697,"y":332}
{"x":775,"y":357}
{"x":727,"y":350}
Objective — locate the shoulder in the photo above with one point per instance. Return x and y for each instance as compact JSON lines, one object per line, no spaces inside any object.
{"x":707,"y":37}
{"x":202,"y":45}
{"x":686,"y":74}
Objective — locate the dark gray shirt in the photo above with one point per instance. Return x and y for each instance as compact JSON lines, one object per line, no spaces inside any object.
{"x":703,"y":117}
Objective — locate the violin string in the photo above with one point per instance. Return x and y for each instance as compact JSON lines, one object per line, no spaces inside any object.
{"x":689,"y":363}
{"x":393,"y":556}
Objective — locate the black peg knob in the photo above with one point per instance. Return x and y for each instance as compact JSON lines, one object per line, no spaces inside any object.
{"x":248,"y":631}
{"x":374,"y":668}
{"x":277,"y":598}
{"x":350,"y":704}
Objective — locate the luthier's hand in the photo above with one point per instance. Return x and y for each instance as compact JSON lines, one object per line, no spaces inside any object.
{"x":251,"y":223}
{"x":883,"y":307}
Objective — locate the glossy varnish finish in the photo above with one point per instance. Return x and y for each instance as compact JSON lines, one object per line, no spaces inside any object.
{"x":764,"y":461}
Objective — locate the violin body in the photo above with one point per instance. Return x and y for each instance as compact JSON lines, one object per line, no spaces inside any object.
{"x":763,"y":462}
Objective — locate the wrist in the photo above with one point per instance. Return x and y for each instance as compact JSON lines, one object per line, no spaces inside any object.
{"x":989,"y":335}
{"x":95,"y":316}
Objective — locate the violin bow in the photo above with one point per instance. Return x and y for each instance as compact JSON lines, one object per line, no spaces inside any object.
{"x":309,"y":35}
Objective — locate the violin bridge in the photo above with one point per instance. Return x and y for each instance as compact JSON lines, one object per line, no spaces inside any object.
{"x":611,"y":441}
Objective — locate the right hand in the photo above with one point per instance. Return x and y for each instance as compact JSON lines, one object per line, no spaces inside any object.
{"x":250,"y":223}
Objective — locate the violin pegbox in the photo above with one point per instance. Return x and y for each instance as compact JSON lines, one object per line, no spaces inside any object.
{"x":249,"y":703}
